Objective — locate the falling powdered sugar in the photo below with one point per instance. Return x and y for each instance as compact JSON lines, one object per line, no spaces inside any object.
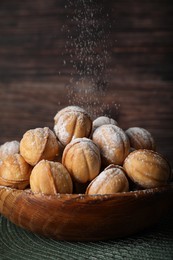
{"x":87,"y":53}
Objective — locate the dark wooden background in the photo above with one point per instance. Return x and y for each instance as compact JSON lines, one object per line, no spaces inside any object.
{"x":35,"y":67}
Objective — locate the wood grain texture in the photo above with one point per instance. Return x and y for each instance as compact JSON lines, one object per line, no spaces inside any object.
{"x":139,"y":72}
{"x":84,"y":217}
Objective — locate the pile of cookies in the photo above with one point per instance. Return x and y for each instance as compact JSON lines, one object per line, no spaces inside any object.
{"x":83,"y":156}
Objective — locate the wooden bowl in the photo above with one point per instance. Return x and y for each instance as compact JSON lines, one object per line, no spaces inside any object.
{"x":86,"y":217}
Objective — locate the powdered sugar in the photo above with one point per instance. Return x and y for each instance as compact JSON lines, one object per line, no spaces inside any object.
{"x":36,"y":138}
{"x":87,"y":145}
{"x":87,"y":53}
{"x":109,"y":181}
{"x":9,"y":148}
{"x":103,"y":120}
{"x":72,"y":122}
{"x":149,"y":157}
{"x":61,"y":131}
{"x":69,"y":109}
{"x":140,"y":138}
{"x":110,"y":138}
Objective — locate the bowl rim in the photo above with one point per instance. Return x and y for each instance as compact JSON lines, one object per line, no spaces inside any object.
{"x":133,"y":194}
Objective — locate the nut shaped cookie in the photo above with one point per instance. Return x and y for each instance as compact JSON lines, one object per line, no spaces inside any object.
{"x":103,"y":120}
{"x":9,"y":148}
{"x":109,"y":181}
{"x":15,"y":172}
{"x":38,"y":144}
{"x":140,"y":138}
{"x":50,"y":178}
{"x":113,"y":143}
{"x":81,"y":157}
{"x":72,"y":122}
{"x":147,"y":168}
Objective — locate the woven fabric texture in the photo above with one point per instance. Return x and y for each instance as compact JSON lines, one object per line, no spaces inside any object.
{"x":155,"y":243}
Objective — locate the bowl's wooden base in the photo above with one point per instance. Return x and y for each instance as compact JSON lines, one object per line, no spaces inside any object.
{"x":84,"y":217}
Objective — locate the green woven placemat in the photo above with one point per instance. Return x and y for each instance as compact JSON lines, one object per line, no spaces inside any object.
{"x":156,"y":243}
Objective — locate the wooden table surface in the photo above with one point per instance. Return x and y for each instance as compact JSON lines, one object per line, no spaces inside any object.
{"x":111,"y":57}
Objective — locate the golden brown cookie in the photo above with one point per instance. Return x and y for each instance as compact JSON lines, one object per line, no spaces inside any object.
{"x":72,"y":122}
{"x":38,"y":144}
{"x":9,"y":148}
{"x":15,"y":172}
{"x":113,"y":143}
{"x":81,"y":157}
{"x":140,"y":138}
{"x":147,"y":168}
{"x":50,"y":178}
{"x":109,"y":181}
{"x":103,"y":120}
